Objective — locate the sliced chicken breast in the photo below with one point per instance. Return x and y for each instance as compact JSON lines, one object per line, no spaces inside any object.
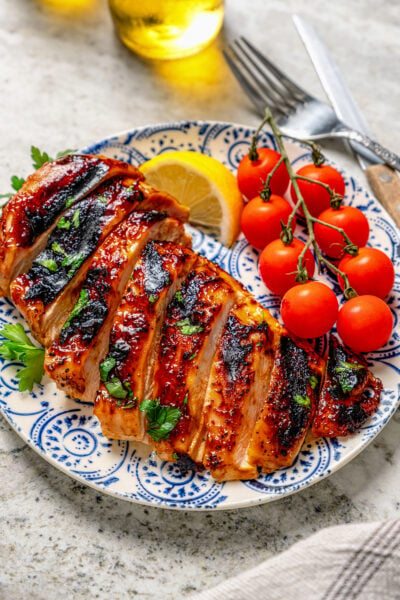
{"x":194,"y":321}
{"x":73,"y":359}
{"x":350,"y":393}
{"x":29,"y":216}
{"x":236,"y":391}
{"x":127,"y":371}
{"x":51,"y":286}
{"x":289,"y":406}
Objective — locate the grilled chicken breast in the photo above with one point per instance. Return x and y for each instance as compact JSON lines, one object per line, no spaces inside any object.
{"x":30,"y":215}
{"x":193,"y":324}
{"x":50,"y":288}
{"x":350,"y":393}
{"x":289,"y":406}
{"x":127,"y":371}
{"x":73,"y":359}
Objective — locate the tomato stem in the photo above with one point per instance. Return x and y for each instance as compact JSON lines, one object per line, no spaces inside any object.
{"x":253,"y":154}
{"x":348,"y":290}
{"x":350,"y":248}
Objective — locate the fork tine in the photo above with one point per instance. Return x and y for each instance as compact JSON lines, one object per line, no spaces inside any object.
{"x":280,"y":75}
{"x":247,"y":81}
{"x":279,"y":92}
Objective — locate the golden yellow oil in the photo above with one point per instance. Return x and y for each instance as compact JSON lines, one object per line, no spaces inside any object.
{"x":70,"y":7}
{"x":167,"y":28}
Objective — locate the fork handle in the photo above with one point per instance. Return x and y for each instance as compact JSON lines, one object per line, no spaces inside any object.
{"x":388,"y":157}
{"x":386,"y":186}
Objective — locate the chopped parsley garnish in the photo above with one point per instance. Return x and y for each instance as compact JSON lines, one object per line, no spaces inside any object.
{"x":175,"y":456}
{"x":39,"y":158}
{"x":80,"y":305}
{"x":346,"y":375}
{"x":74,"y":261}
{"x":302,"y":400}
{"x":313,"y":382}
{"x":161,"y":419}
{"x":48,"y":263}
{"x":153,"y":298}
{"x":186,"y":398}
{"x":187,"y":328}
{"x":57,"y":248}
{"x":102,"y":199}
{"x":75,"y":218}
{"x":131,"y":404}
{"x":116,"y":389}
{"x":64,"y":153}
{"x":69,"y":202}
{"x":192,"y":356}
{"x":179,"y":296}
{"x":63,"y":223}
{"x":106,"y":366}
{"x":19,"y":347}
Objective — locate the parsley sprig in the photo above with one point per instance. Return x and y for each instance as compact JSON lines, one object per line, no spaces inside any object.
{"x":80,"y":305}
{"x":16,"y":345}
{"x":161,"y":419}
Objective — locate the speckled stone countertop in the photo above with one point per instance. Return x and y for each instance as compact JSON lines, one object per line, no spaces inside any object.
{"x":66,"y":83}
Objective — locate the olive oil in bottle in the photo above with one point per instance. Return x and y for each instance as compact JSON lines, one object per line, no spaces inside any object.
{"x":167,"y":28}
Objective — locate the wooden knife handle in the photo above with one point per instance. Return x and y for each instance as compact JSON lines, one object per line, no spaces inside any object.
{"x":385,"y":184}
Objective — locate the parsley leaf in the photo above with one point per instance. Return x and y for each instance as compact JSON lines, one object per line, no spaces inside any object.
{"x":81,"y":303}
{"x":102,"y":199}
{"x":48,"y":263}
{"x":115,"y":388}
{"x":302,"y":400}
{"x":187,"y":328}
{"x":313,"y":382}
{"x":57,"y":248}
{"x":161,"y":419}
{"x":17,"y":182}
{"x":69,"y":202}
{"x":106,"y":366}
{"x":63,"y":223}
{"x":346,"y":375}
{"x":64,"y":153}
{"x":74,"y":261}
{"x":39,"y":158}
{"x":179,"y":296}
{"x":153,"y":299}
{"x":19,"y":347}
{"x":75,"y":218}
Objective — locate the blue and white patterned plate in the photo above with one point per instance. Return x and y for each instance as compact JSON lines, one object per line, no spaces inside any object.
{"x":65,"y":432}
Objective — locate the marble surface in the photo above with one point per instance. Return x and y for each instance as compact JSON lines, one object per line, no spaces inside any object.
{"x":65,"y":83}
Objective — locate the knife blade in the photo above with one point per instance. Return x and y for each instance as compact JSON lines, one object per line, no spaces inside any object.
{"x":382,"y":179}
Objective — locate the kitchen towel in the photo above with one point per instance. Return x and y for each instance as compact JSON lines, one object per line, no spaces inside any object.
{"x":346,"y":562}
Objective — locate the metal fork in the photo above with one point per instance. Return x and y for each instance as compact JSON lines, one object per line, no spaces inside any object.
{"x":298,"y":114}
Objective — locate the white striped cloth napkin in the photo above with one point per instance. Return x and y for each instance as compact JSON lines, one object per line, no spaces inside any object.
{"x":347,"y":562}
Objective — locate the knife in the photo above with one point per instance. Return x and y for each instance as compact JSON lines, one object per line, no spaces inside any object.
{"x":383,"y":180}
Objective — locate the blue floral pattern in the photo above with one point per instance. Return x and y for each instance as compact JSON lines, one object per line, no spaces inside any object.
{"x":66,"y":433}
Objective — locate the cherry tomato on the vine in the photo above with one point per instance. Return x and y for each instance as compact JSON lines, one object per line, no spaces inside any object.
{"x":278,"y":265}
{"x":351,"y":220}
{"x":251,"y":175}
{"x":261,"y":220}
{"x":309,"y":310}
{"x":369,"y":272}
{"x":315,"y":196}
{"x":365,"y":323}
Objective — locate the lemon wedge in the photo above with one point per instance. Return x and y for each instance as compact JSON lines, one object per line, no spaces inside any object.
{"x":204,"y":185}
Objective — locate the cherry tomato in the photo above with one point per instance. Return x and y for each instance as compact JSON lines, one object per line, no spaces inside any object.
{"x":251,"y":175}
{"x":309,"y":310}
{"x":351,"y":220}
{"x":261,"y":220}
{"x":315,"y":196}
{"x":369,"y":272}
{"x":278,"y":265}
{"x":365,"y":323}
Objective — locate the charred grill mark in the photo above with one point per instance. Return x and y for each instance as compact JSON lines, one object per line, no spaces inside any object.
{"x":344,"y":378}
{"x":190,"y":304}
{"x":156,"y":276}
{"x":234,"y":352}
{"x":89,"y":320}
{"x":84,"y":174}
{"x":351,"y":416}
{"x":295,"y":365}
{"x":75,"y":237}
